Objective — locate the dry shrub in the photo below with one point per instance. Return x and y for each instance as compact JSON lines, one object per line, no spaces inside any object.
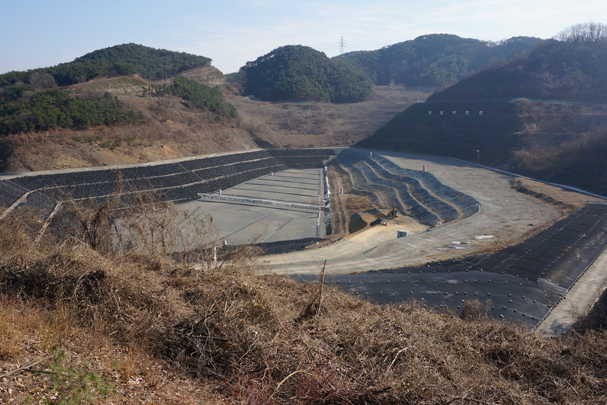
{"x":228,"y":326}
{"x":18,"y":320}
{"x":474,"y":310}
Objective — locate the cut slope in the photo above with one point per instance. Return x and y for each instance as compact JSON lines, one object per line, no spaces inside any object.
{"x":537,"y":115}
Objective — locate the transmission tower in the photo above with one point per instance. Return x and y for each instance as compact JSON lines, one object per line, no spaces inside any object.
{"x":341,"y":45}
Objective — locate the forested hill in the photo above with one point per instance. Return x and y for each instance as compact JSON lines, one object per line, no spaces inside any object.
{"x":506,"y":116}
{"x":565,"y":70}
{"x":127,"y":59}
{"x":300,"y":73}
{"x":435,"y":60}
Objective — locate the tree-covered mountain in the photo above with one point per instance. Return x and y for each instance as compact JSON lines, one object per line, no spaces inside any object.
{"x":543,"y":114}
{"x":434,"y":60}
{"x":300,"y":73}
{"x":150,"y":63}
{"x":568,"y":70}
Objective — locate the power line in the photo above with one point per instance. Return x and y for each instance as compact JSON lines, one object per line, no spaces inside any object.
{"x":341,"y":45}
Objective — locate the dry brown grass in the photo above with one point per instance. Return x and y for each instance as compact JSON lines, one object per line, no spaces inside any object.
{"x":172,"y":131}
{"x":293,"y":125}
{"x":244,"y":335}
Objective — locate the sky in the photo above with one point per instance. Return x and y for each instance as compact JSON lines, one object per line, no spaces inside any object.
{"x":36,"y":33}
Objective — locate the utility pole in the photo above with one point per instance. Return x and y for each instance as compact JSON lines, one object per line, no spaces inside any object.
{"x":478,"y":156}
{"x":341,"y":45}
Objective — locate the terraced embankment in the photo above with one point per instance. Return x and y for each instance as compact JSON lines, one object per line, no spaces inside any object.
{"x":416,"y":193}
{"x":180,"y":180}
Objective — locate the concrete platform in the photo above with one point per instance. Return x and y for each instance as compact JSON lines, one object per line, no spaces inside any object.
{"x":249,"y":223}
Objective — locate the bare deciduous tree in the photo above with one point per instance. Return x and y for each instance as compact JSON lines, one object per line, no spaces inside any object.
{"x":40,"y":81}
{"x":579,"y":33}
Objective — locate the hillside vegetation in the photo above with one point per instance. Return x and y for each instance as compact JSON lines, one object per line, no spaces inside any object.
{"x":173,"y":128}
{"x":560,"y":140}
{"x":119,"y":60}
{"x":300,"y":73}
{"x":554,"y":70}
{"x":30,"y":111}
{"x":51,"y":109}
{"x":197,"y":95}
{"x":435,"y":60}
{"x":139,"y":318}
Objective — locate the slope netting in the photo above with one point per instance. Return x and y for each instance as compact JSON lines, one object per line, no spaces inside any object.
{"x":560,"y":253}
{"x":464,"y":202}
{"x":179,"y":181}
{"x":10,"y":193}
{"x":364,"y":185}
{"x":443,"y":210}
{"x":396,"y":192}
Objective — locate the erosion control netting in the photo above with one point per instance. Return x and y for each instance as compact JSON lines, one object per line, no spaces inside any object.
{"x":365,"y":183}
{"x":10,"y":193}
{"x":40,"y":202}
{"x":464,"y":202}
{"x":179,"y":181}
{"x":411,"y":196}
{"x":443,"y":210}
{"x":517,"y":293}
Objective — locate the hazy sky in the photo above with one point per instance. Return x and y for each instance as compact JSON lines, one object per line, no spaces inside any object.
{"x":37,"y":33}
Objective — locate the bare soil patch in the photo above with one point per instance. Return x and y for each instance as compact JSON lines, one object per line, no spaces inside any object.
{"x":565,"y":200}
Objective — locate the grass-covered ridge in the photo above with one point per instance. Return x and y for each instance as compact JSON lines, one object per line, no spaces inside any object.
{"x":300,"y":73}
{"x":126,"y":59}
{"x":434,"y":60}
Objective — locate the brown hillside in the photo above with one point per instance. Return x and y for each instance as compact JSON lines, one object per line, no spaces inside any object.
{"x":160,"y":331}
{"x":206,"y":74}
{"x":175,"y":131}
